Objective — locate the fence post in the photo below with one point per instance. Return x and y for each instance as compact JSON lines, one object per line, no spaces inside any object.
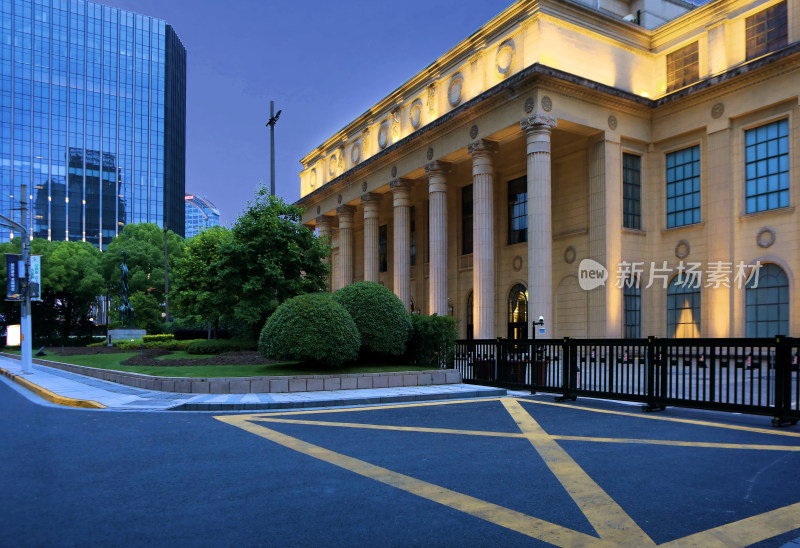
{"x":569,"y":371}
{"x":783,"y":381}
{"x":654,"y":366}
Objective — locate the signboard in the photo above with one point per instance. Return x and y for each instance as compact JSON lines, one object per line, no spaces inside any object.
{"x":35,"y":283}
{"x":13,"y":292}
{"x":541,"y":331}
{"x":13,"y":337}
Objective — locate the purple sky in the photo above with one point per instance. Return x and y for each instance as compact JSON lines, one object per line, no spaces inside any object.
{"x":323,"y":64}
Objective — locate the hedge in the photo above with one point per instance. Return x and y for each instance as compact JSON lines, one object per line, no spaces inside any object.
{"x":310,"y":328}
{"x":433,"y":341}
{"x":218,"y":346}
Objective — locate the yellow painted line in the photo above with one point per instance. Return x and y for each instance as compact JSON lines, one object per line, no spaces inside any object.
{"x":774,"y":432}
{"x":51,"y":396}
{"x":424,"y":430}
{"x":610,"y":521}
{"x":744,"y":532}
{"x":375,"y":407}
{"x":493,"y":513}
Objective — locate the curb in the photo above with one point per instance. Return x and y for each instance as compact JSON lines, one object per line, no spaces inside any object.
{"x":50,"y":396}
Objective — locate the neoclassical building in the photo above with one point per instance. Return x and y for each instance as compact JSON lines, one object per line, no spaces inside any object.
{"x":652,"y":138}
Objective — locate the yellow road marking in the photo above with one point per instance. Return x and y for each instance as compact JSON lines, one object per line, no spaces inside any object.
{"x":369,"y":408}
{"x":493,"y":513}
{"x":606,"y":516}
{"x":422,"y":429}
{"x":744,"y":532}
{"x":773,"y":432}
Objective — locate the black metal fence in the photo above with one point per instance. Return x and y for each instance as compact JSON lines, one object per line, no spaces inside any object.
{"x":740,"y":375}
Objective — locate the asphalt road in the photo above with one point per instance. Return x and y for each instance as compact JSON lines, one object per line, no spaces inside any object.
{"x":481,"y":473}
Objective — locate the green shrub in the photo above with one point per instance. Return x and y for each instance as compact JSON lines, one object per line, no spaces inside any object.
{"x":127,"y":345}
{"x":218,"y":346}
{"x":311,"y":328}
{"x":158,"y":338}
{"x":96,"y":344}
{"x":381,"y":319}
{"x":433,"y":340}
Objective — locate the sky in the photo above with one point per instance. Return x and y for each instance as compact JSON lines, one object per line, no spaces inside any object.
{"x":323,"y":63}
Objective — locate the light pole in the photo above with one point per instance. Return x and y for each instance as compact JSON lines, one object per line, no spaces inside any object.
{"x":273,"y":118}
{"x":25,"y":303}
{"x":536,"y":323}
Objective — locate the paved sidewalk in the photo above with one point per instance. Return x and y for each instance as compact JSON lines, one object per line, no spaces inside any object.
{"x":71,"y":389}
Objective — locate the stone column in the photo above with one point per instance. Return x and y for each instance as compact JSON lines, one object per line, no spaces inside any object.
{"x":324,"y":231}
{"x":537,"y":130}
{"x":483,"y":237}
{"x":370,"y":202}
{"x":401,"y":194}
{"x":437,"y":230}
{"x":345,"y":244}
{"x":605,"y":236}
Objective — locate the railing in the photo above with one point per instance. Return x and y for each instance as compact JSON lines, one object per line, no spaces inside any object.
{"x":740,"y":375}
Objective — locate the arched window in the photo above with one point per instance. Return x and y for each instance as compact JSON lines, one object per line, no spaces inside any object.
{"x":470,"y":321}
{"x":767,"y":302}
{"x":518,"y":312}
{"x":683,"y":307}
{"x":632,"y":295}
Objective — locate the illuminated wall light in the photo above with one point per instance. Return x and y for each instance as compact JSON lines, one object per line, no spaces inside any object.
{"x":644,"y":94}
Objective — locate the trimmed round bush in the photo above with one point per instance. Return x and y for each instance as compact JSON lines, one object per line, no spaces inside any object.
{"x":381,"y":319}
{"x":311,"y":328}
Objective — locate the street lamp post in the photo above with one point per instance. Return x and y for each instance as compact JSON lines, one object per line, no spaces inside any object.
{"x":273,"y":118}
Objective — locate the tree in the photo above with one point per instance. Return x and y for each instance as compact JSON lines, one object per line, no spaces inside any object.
{"x":144,"y":248}
{"x":200,"y":292}
{"x":268,"y":257}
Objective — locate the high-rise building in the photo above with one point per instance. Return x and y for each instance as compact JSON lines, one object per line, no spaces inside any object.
{"x":200,"y":214}
{"x":92,"y":119}
{"x":617,"y":168}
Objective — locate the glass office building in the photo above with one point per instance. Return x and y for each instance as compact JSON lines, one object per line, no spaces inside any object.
{"x":92,"y":119}
{"x":200,"y":214}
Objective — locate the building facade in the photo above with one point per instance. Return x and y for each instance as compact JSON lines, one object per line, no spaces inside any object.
{"x":200,"y":214}
{"x":92,"y":119}
{"x":619,"y":169}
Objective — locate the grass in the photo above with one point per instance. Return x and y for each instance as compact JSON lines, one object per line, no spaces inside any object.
{"x":114,"y":363}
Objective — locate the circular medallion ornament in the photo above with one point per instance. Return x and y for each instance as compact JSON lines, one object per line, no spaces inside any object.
{"x":683,"y":249}
{"x":516,"y":264}
{"x":717,"y":110}
{"x":332,"y":165}
{"x":312,"y":179}
{"x":394,"y":171}
{"x":339,"y":198}
{"x":505,"y":57}
{"x":766,"y":236}
{"x":529,"y":104}
{"x":364,"y":186}
{"x":569,"y":255}
{"x":430,"y":154}
{"x":612,"y":122}
{"x":355,"y":153}
{"x":383,"y":135}
{"x":415,"y":115}
{"x":547,"y":104}
{"x":473,"y":132}
{"x":454,"y":89}
{"x":318,"y":210}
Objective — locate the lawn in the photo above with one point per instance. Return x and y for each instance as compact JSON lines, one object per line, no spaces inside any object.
{"x":114,"y":362}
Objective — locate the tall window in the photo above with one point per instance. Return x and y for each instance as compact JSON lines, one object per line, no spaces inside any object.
{"x":767,"y":166}
{"x":631,"y":191}
{"x":382,"y":251}
{"x":683,"y":307}
{"x":470,"y":316}
{"x":767,"y":303}
{"x":683,"y":67}
{"x":766,"y":31}
{"x":632,"y":296}
{"x":518,"y":210}
{"x":683,"y":187}
{"x":412,"y":213}
{"x":518,"y":312}
{"x":466,"y":220}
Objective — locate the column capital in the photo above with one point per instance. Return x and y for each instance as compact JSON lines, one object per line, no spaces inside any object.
{"x":345,"y":213}
{"x":400,"y":184}
{"x":401,"y":192}
{"x":370,"y":200}
{"x":482,"y":147}
{"x":324,"y":222}
{"x":538,"y":123}
{"x":437,"y":168}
